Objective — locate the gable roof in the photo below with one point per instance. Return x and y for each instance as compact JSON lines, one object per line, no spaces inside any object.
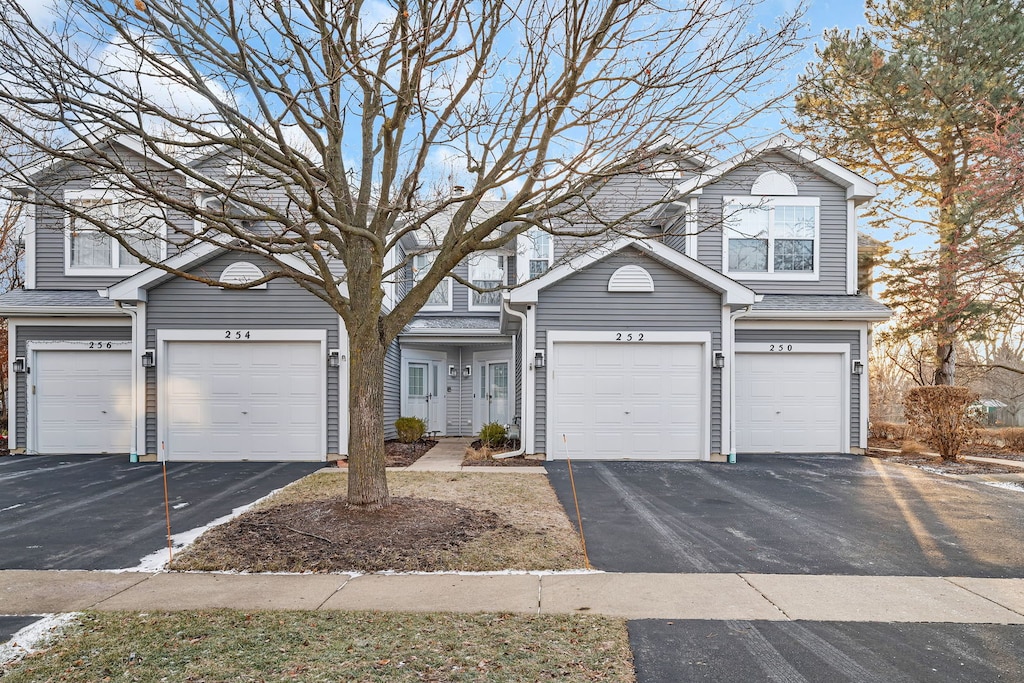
{"x":77,"y":146}
{"x":733,"y":291}
{"x":134,"y":288}
{"x":858,"y":188}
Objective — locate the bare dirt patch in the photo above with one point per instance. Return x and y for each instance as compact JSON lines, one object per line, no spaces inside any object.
{"x":437,"y":522}
{"x":329,"y":536}
{"x":398,"y":454}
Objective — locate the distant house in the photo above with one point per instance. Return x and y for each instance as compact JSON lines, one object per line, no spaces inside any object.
{"x":741,"y":327}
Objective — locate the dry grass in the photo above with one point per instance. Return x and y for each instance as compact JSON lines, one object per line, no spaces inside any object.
{"x":538,"y":534}
{"x":332,"y":646}
{"x":912,"y":447}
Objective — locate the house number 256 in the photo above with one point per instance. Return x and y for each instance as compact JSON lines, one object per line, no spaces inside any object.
{"x":629,"y":336}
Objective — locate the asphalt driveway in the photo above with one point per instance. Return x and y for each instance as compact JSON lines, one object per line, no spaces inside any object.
{"x":806,"y":514}
{"x":102,"y":512}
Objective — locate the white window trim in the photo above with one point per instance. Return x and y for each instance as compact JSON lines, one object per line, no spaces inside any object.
{"x":469,"y":276}
{"x":115,"y":256}
{"x":446,"y":282}
{"x":770,"y":202}
{"x":524,"y":251}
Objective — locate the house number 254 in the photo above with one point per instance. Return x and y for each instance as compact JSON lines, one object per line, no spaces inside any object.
{"x":237,"y":334}
{"x":629,"y":336}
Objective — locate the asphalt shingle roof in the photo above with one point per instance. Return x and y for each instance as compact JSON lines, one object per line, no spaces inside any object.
{"x":34,"y":298}
{"x":825,"y":303}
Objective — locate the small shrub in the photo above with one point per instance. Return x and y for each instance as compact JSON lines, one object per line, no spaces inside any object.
{"x":410,"y":429}
{"x":943,"y":415}
{"x":1013,"y":438}
{"x":912,"y":447}
{"x":493,"y":435}
{"x":890,"y":431}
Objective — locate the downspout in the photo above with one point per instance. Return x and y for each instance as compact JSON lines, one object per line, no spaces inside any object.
{"x":733,"y":317}
{"x":522,"y":399}
{"x":132,"y":312}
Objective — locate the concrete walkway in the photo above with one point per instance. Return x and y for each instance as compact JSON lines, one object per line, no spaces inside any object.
{"x":448,"y":454}
{"x":774,"y":597}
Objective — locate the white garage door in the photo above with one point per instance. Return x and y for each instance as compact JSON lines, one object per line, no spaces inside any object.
{"x":789,"y":402}
{"x":83,"y":401}
{"x":244,"y":401}
{"x":618,"y":401}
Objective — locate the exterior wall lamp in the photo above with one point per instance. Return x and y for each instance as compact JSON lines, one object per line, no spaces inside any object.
{"x":718,"y":360}
{"x":538,"y":359}
{"x":857,"y":367}
{"x":19,"y":364}
{"x":452,"y":372}
{"x":149,"y":358}
{"x":334,"y":358}
{"x":467,"y":371}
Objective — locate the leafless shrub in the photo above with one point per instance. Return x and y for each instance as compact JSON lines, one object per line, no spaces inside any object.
{"x":944,"y":416}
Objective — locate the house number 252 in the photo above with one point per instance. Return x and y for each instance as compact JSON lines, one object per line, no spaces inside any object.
{"x":629,"y":336}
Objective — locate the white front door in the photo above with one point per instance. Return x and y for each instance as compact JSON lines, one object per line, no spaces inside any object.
{"x":790,"y":402}
{"x":494,"y":390}
{"x":627,"y":401}
{"x":244,"y":401}
{"x":424,"y":387}
{"x":83,"y":401}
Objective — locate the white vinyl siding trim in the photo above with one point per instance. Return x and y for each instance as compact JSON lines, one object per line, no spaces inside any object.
{"x":732,"y":205}
{"x":29,"y":213}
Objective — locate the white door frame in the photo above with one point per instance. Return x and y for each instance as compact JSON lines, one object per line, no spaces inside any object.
{"x":437,"y":361}
{"x":32,"y":348}
{"x":784,"y":347}
{"x":228,"y":336}
{"x":481,"y":359}
{"x":639,"y":337}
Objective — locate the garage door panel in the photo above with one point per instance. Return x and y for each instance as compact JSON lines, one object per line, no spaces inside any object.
{"x":82,"y":402}
{"x":789,"y":403}
{"x":253,"y":400}
{"x":627,"y":400}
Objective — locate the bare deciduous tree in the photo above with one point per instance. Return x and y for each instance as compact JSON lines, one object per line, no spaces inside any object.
{"x":354,"y":121}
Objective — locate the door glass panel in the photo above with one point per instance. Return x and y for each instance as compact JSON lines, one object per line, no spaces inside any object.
{"x":417,"y":380}
{"x":499,"y":380}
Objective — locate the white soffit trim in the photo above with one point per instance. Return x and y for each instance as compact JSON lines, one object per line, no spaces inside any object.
{"x":631,"y":279}
{"x":734,"y":292}
{"x":857,"y":186}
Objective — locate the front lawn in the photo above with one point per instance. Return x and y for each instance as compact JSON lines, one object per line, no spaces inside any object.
{"x":228,"y":646}
{"x":438,"y":522}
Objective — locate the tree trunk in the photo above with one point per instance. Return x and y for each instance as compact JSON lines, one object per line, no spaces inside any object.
{"x":367,"y":478}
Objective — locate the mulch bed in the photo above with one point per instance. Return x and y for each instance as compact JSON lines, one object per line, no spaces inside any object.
{"x":509,"y":445}
{"x":327,"y":536}
{"x":398,"y":454}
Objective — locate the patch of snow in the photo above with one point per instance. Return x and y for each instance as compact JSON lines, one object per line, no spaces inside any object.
{"x":1009,"y":485}
{"x":179,"y":506}
{"x":34,"y":636}
{"x":11,"y":507}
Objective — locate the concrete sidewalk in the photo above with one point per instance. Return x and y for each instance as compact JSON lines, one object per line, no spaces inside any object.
{"x":448,"y":454}
{"x":775,"y":597}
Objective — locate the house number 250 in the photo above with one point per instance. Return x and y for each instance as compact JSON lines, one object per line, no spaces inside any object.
{"x":780,"y":347}
{"x":629,"y":336}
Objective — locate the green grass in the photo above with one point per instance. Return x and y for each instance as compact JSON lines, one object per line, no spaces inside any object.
{"x":234,"y":646}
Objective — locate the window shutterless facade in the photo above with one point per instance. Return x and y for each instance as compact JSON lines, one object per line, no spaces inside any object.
{"x":486,"y":271}
{"x":771,"y":237}
{"x":441,"y":298}
{"x":91,"y":251}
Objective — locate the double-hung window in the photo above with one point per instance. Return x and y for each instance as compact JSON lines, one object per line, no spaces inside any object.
{"x":773,"y":237}
{"x":89,"y":250}
{"x":441,"y":298}
{"x":486,"y":271}
{"x":538,"y":252}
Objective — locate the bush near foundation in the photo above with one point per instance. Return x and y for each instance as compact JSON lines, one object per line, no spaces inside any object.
{"x":890,"y":431}
{"x":943,"y":416}
{"x":410,"y":429}
{"x":493,"y":434}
